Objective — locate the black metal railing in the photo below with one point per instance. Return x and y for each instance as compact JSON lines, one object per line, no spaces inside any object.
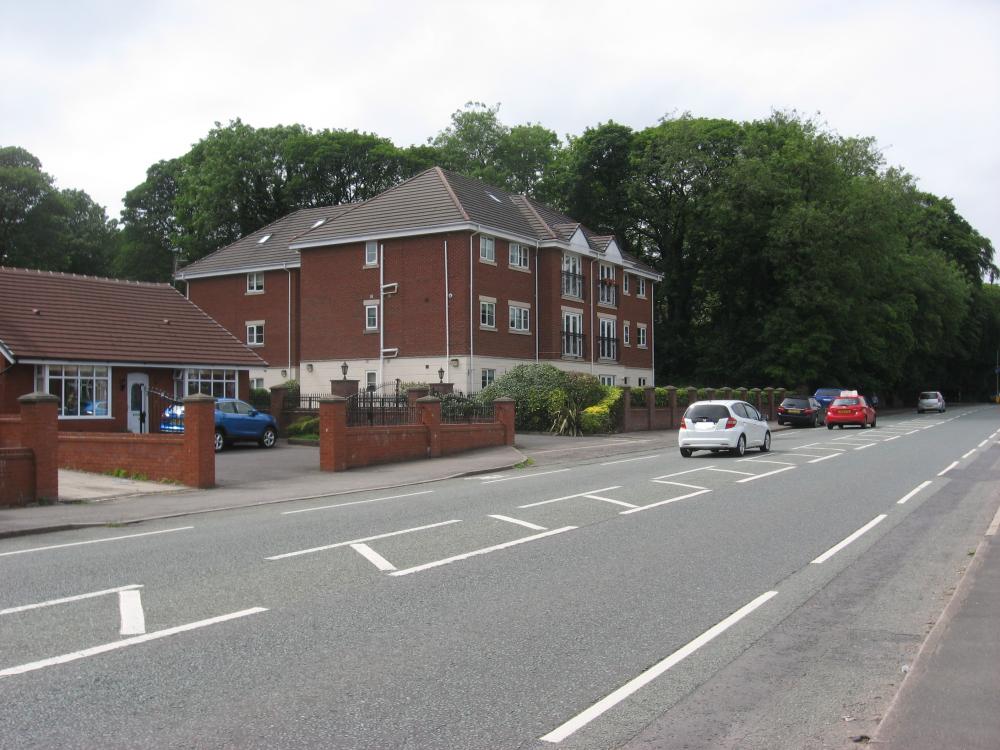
{"x":607,"y":347}
{"x":372,"y":408}
{"x":457,"y":409}
{"x":572,"y":284}
{"x":573,"y":344}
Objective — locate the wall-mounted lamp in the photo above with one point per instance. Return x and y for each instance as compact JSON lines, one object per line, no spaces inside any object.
{"x":440,"y":374}
{"x":343,"y":369}
{"x":284,"y":373}
{"x":309,"y":367}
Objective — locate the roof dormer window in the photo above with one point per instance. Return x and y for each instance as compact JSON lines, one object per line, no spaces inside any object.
{"x":263,"y":239}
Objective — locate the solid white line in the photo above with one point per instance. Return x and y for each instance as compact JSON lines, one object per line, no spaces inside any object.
{"x":767,"y":461}
{"x":365,"y":539}
{"x":839,"y":546}
{"x":612,"y":699}
{"x":526,"y":524}
{"x":837,"y":452}
{"x":483,"y":551}
{"x":948,"y":468}
{"x":372,"y":556}
{"x":663,"y":502}
{"x":825,"y":458}
{"x":686,"y":471}
{"x":609,"y":500}
{"x":593,"y":445}
{"x":822,"y":447}
{"x":130,"y":608}
{"x":765,"y":474}
{"x":679,"y":484}
{"x":626,"y":460}
{"x":862,"y":447}
{"x":525,"y":476}
{"x":983,"y":443}
{"x":94,"y":541}
{"x":913,"y":432}
{"x":570,"y":497}
{"x":65,"y":599}
{"x":992,"y":530}
{"x":912,"y":492}
{"x":733,"y":471}
{"x":968,"y":453}
{"x":354,"y":502}
{"x":104,"y":648}
{"x":889,"y":440}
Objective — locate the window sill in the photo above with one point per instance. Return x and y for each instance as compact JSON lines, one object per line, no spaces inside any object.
{"x":255,"y":346}
{"x":520,"y":269}
{"x":607,"y":305}
{"x":369,"y":265}
{"x":571,"y":298}
{"x":370,"y":330}
{"x":249,"y":292}
{"x":88,"y":417}
{"x":487,"y":328}
{"x":488,"y":262}
{"x":573,"y":357}
{"x":519,"y":333}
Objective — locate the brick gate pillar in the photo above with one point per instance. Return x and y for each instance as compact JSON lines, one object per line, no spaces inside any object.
{"x":626,"y":411}
{"x":199,"y":441}
{"x":333,"y":433}
{"x":503,"y":411}
{"x":675,"y":418}
{"x":430,"y":417}
{"x":40,"y":433}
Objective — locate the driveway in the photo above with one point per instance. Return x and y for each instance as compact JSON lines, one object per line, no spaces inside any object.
{"x":254,"y":467}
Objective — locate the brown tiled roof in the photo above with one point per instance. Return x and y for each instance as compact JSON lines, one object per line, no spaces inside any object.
{"x":59,"y":316}
{"x":248,"y":252}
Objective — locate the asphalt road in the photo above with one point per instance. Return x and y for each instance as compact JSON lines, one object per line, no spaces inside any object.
{"x":640,"y":601}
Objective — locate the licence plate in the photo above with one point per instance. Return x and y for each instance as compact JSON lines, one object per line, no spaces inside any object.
{"x":844,"y":411}
{"x":794,"y":411}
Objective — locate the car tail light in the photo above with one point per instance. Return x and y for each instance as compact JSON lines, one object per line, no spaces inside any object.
{"x":781,"y":410}
{"x":683,"y":423}
{"x":730,"y":423}
{"x":808,"y":411}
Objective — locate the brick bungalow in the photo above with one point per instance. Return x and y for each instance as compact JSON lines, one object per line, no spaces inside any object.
{"x":103,"y":345}
{"x":439,"y":273}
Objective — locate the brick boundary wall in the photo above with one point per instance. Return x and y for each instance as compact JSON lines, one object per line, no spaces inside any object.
{"x":17,"y":476}
{"x":188,"y":458}
{"x":342,"y":447}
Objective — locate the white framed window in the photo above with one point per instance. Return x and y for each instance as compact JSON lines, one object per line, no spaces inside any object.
{"x":488,"y":376}
{"x":255,"y":332}
{"x":256,"y":384}
{"x":607,"y":341}
{"x":371,"y":253}
{"x":606,"y":286}
{"x":487,"y":313}
{"x":255,"y":283}
{"x":640,"y":335}
{"x":519,"y":317}
{"x":624,"y":283}
{"x":216,"y":383}
{"x":371,"y":317}
{"x":371,"y":379}
{"x":82,"y":390}
{"x":518,"y":255}
{"x":640,"y":287}
{"x":572,"y":333}
{"x":487,"y":249}
{"x":607,"y":379}
{"x":642,"y":382}
{"x":626,"y":338}
{"x":572,"y":276}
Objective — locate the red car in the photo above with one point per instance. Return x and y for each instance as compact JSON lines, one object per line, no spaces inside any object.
{"x":850,"y":408}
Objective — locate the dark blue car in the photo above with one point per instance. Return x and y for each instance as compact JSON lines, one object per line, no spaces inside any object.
{"x":825,"y":396}
{"x":235,"y":421}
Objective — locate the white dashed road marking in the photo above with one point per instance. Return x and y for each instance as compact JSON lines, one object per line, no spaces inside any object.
{"x":840,"y":545}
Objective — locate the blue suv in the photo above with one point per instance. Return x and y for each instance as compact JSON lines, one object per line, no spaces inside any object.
{"x":826,"y":396}
{"x":235,"y":421}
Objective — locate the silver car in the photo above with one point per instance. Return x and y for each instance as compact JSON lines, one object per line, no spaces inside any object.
{"x":930,"y":401}
{"x":714,"y":426}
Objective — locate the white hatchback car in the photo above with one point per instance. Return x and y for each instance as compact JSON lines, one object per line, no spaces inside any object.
{"x":713,"y":426}
{"x":930,"y":401}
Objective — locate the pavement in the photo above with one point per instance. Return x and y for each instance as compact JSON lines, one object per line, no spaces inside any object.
{"x":949,"y":698}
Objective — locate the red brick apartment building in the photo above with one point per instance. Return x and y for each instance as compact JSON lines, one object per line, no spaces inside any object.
{"x":441,"y":272}
{"x":101,"y":345}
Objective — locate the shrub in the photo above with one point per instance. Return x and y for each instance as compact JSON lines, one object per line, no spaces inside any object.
{"x":603,"y":416}
{"x":565,"y":412}
{"x":529,"y":386}
{"x":663,"y":397}
{"x":306,"y":426}
{"x":457,"y":406}
{"x":583,"y":388}
{"x":638,"y":398}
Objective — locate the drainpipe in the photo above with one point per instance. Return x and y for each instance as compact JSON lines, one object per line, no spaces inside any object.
{"x":447,"y":316}
{"x":381,"y":312}
{"x":471,"y":308}
{"x":593,"y":286}
{"x":537,"y":318}
{"x":650,"y":337}
{"x":288,"y":271}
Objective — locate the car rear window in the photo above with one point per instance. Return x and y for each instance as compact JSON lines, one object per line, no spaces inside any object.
{"x":707,"y":412}
{"x":848,"y":401}
{"x":796,"y":403}
{"x":928,"y":394}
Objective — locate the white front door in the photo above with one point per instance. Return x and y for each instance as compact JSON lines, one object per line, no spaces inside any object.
{"x":137,"y":385}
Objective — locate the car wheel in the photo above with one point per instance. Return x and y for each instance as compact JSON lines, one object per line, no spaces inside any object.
{"x":686,"y":452}
{"x":220,"y":441}
{"x":815,"y":422}
{"x":840,"y":426}
{"x":268,"y":438}
{"x":741,"y":446}
{"x":766,"y":445}
{"x":829,"y":427}
{"x":874,"y":420}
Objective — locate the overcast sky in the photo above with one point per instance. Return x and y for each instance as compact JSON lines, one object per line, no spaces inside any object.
{"x":99,"y":91}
